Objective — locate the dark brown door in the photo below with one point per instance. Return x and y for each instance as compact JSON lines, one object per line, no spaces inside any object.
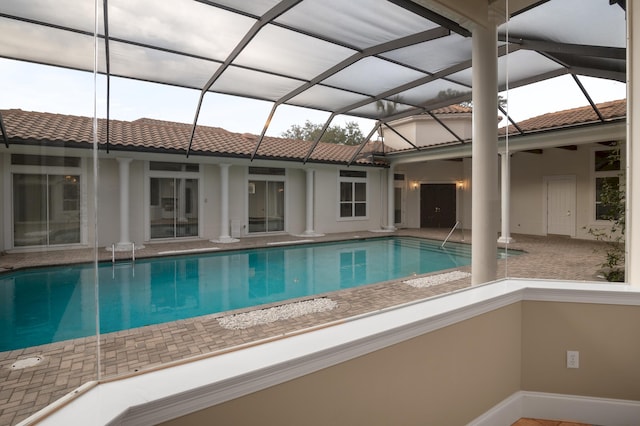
{"x":437,"y":205}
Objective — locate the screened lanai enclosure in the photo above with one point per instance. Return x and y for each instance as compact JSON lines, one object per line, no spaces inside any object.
{"x":375,"y":59}
{"x":377,"y":62}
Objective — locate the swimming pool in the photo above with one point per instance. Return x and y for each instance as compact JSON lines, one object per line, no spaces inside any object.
{"x":53,"y":304}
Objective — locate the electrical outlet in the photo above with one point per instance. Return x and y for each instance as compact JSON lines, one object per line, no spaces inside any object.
{"x":573,"y":359}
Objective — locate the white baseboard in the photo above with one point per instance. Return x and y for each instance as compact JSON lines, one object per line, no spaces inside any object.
{"x":598,"y":411}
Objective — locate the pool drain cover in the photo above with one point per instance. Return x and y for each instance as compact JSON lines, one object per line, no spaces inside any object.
{"x":27,"y":362}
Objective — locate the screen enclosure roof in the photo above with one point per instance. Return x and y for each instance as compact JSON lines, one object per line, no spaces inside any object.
{"x":375,"y":59}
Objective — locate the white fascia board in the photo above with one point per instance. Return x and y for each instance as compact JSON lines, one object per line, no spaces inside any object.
{"x":582,"y":135}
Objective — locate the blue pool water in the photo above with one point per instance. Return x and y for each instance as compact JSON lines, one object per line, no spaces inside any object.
{"x":47,"y":305}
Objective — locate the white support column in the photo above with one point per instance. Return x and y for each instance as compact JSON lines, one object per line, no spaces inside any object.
{"x":224,"y":206}
{"x":632,"y":264}
{"x":309,"y":197}
{"x":124,"y":243}
{"x":391,"y":226}
{"x":484,"y":174}
{"x":505,"y":190}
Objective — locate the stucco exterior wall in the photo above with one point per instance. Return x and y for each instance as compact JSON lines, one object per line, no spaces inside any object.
{"x":528,"y":190}
{"x":295,"y":200}
{"x":327,"y":218}
{"x":425,"y":131}
{"x":530,"y":173}
{"x":440,"y":171}
{"x":108,"y":202}
{"x":3,"y":196}
{"x":137,"y":192}
{"x":238,"y":176}
{"x":210,"y":204}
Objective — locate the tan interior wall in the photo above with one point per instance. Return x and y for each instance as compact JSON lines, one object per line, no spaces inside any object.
{"x":607,"y":337}
{"x":452,"y":375}
{"x":447,"y":377}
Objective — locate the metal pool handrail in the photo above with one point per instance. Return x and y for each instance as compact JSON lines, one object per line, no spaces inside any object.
{"x":450,"y":232}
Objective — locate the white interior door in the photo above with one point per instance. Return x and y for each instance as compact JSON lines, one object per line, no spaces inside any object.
{"x":561,"y":205}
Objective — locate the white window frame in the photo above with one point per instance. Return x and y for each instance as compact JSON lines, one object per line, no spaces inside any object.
{"x":353,"y":181}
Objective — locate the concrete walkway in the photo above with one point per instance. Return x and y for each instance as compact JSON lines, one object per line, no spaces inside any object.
{"x":66,"y":365}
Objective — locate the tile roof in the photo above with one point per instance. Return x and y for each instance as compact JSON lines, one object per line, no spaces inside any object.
{"x":453,"y":109}
{"x":575,"y":116}
{"x":147,"y":134}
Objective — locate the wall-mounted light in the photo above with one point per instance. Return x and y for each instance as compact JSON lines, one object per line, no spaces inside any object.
{"x":414,"y":185}
{"x":460,"y":184}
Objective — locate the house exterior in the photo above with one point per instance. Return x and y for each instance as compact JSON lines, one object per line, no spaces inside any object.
{"x":147,"y":183}
{"x":498,"y":347}
{"x":149,"y":189}
{"x":558,"y":162}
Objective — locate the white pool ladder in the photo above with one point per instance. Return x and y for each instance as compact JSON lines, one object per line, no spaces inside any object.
{"x":450,"y":232}
{"x":113,"y":253}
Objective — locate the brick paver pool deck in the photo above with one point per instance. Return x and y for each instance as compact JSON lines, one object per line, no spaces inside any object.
{"x":66,"y":365}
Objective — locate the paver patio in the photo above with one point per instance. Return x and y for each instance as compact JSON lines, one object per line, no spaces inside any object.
{"x":66,"y":365}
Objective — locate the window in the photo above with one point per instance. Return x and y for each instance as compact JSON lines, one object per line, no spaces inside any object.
{"x":173,"y":167}
{"x":268,"y":171}
{"x":46,"y":200}
{"x":353,"y":194}
{"x":44,"y":160}
{"x":46,"y":209}
{"x":71,"y":194}
{"x":607,"y":172}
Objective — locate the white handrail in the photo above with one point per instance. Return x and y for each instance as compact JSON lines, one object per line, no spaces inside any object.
{"x":450,"y":232}
{"x":113,"y":252}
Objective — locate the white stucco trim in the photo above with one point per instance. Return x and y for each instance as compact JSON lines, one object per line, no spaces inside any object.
{"x":524,"y":404}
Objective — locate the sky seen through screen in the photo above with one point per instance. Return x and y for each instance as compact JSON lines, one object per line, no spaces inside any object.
{"x":34,"y":87}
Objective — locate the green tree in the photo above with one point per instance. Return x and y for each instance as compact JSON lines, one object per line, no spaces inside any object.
{"x":387,"y":108}
{"x":350,"y":134}
{"x":450,"y":93}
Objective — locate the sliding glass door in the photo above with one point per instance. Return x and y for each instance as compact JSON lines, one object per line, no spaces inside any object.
{"x":46,"y":209}
{"x":266,"y":206}
{"x":174,"y":207}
